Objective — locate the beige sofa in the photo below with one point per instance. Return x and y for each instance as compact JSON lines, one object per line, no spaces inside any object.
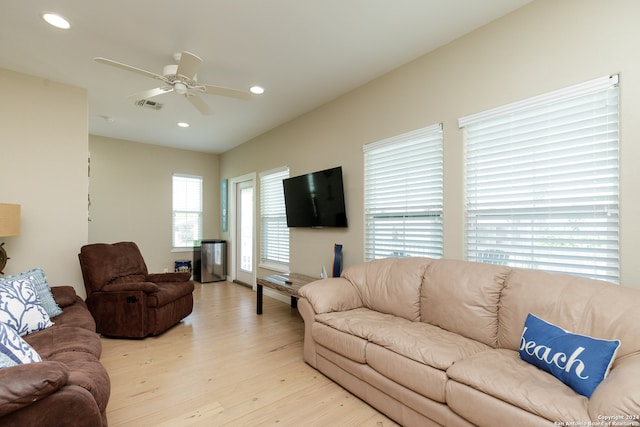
{"x":436,"y":342}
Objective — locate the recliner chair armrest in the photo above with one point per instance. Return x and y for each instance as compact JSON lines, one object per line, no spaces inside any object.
{"x":332,"y":294}
{"x":169,"y":277}
{"x":146,"y":287}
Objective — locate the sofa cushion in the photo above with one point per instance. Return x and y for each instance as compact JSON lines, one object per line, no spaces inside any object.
{"x":16,"y":350}
{"x":579,"y":361}
{"x":169,"y":292}
{"x":350,"y":346}
{"x":62,"y":339}
{"x":390,"y":285}
{"x":419,"y":377}
{"x":584,"y":306}
{"x":463,"y":297}
{"x":38,"y":278}
{"x":76,"y":315}
{"x":418,"y":341}
{"x":502,"y":374}
{"x":131,"y":285}
{"x":20,"y":306}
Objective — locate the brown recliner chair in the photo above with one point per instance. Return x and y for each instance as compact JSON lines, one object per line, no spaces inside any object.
{"x":124,"y":299}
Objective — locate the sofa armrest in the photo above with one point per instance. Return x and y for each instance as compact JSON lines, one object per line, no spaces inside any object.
{"x":618,"y":394}
{"x":64,"y":295}
{"x":169,"y":277}
{"x":23,"y":385}
{"x":146,"y":287}
{"x":333,"y":294}
{"x":70,"y":406}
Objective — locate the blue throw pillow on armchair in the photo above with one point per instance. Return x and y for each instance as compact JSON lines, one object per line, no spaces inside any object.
{"x":579,"y":361}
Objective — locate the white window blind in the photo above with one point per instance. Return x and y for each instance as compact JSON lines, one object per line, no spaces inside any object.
{"x":274,"y":245}
{"x":542,"y":182}
{"x":403,"y":195}
{"x":187,"y":210}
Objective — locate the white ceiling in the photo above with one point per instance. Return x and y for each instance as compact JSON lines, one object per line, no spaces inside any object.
{"x":303,"y":52}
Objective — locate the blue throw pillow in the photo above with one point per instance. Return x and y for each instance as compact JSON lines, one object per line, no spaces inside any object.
{"x":579,"y":361}
{"x":6,"y":361}
{"x":20,"y":307}
{"x":13,"y":349}
{"x":42,"y":286}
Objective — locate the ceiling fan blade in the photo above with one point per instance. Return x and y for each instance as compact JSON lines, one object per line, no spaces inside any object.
{"x":150,"y":93}
{"x":197,"y":102}
{"x":189,"y":64}
{"x":223,"y":91}
{"x":128,"y":68}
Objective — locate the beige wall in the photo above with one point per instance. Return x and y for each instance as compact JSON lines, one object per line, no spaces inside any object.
{"x":43,"y":159}
{"x":544,"y":46}
{"x":131,"y":196}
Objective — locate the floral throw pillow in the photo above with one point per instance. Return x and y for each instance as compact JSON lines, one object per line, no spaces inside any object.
{"x":13,"y":349}
{"x":39,"y":279}
{"x":20,"y":306}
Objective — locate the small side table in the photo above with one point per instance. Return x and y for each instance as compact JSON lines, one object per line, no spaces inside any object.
{"x":289,"y":284}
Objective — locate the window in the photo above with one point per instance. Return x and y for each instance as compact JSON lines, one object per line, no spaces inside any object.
{"x":542,"y":182}
{"x":403,"y":195}
{"x":187,"y":210}
{"x":274,"y":245}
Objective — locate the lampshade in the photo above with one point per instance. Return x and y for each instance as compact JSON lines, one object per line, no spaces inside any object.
{"x":9,"y":220}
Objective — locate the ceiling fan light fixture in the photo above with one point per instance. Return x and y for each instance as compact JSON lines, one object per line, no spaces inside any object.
{"x":180,"y":79}
{"x":183,"y":124}
{"x":56,"y":20}
{"x":180,"y":88}
{"x":258,"y":90}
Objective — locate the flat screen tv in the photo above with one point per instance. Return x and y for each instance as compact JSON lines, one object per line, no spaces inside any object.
{"x":316,"y":199}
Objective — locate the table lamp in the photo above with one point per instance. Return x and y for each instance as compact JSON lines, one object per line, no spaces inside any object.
{"x":9,"y":226}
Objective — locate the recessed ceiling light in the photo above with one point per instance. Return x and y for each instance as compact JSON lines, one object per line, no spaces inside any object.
{"x":56,"y":20}
{"x":183,"y":124}
{"x":257,"y":90}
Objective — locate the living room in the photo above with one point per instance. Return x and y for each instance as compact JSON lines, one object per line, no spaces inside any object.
{"x":539,"y":48}
{"x":542,"y":47}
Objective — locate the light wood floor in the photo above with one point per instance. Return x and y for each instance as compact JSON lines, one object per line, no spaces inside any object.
{"x":225,"y":366}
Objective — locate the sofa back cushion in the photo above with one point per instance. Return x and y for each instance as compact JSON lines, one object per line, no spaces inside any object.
{"x":463,"y":297}
{"x":583,"y":306}
{"x":390,"y":285}
{"x":104,"y":263}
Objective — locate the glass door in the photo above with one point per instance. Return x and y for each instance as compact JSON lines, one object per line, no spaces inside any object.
{"x":245,"y":232}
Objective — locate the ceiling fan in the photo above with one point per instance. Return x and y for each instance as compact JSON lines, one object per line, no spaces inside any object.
{"x":180,"y":78}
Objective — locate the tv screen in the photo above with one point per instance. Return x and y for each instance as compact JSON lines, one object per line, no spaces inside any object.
{"x":315,"y":199}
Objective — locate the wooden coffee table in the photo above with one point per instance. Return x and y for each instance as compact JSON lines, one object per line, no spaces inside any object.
{"x":289,"y":284}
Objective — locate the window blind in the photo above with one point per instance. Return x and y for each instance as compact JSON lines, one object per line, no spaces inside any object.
{"x":187,"y":210}
{"x":542,"y":182}
{"x":274,"y":247}
{"x":403,"y":195}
